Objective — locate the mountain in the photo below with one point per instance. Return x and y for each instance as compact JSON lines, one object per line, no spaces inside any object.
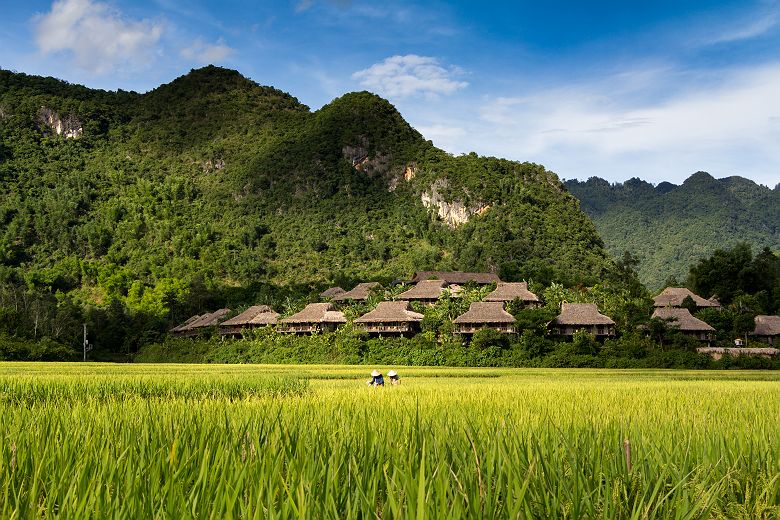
{"x":671,"y":227}
{"x":214,"y":183}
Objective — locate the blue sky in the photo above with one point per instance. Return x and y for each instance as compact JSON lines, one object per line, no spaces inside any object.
{"x":656,"y":90}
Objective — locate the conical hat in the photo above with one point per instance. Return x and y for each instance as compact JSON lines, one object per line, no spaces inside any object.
{"x":392,"y":373}
{"x":376,"y":373}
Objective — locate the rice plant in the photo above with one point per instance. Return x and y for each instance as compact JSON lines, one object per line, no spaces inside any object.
{"x":91,"y":441}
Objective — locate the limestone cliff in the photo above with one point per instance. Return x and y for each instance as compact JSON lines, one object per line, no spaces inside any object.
{"x":454,"y":213}
{"x":68,"y":126}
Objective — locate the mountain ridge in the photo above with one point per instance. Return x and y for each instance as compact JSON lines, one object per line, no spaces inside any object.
{"x":213,"y":182}
{"x":670,"y":227}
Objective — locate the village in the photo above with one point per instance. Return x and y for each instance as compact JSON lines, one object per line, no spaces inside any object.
{"x":396,"y":317}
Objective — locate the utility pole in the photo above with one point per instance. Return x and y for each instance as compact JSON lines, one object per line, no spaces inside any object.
{"x":87,"y":346}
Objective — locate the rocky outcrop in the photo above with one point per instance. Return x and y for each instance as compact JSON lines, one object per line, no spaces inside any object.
{"x":374,"y":166}
{"x":454,"y":213}
{"x":4,"y":113}
{"x":68,"y":127}
{"x":356,"y":154}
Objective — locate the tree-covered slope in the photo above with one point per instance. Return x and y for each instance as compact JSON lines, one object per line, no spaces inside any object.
{"x":672,"y":227}
{"x":214,"y":182}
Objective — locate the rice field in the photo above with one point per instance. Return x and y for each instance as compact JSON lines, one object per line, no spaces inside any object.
{"x":240,"y":441}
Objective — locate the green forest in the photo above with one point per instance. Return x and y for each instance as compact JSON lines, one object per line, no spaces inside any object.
{"x":749,"y":285}
{"x":671,"y":227}
{"x":131,"y":212}
{"x":215,"y":191}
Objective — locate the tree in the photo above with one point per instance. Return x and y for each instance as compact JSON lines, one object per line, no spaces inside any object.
{"x":689,"y":303}
{"x":625,"y":274}
{"x":730,"y":273}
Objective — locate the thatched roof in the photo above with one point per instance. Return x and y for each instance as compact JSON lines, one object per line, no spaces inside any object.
{"x":424,"y":290}
{"x":255,"y":315}
{"x":181,"y":327}
{"x":682,"y":319}
{"x":485,"y":312}
{"x":767,"y":326}
{"x":360,"y":292}
{"x":317,"y":313}
{"x":458,"y":277}
{"x":507,"y":292}
{"x":674,"y":296}
{"x":205,"y":320}
{"x":265,"y":318}
{"x":331,"y":292}
{"x":581,"y":314}
{"x":391,"y":312}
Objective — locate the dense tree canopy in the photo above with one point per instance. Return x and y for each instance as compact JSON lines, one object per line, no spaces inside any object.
{"x":213,"y":190}
{"x":732,"y":274}
{"x":671,"y":227}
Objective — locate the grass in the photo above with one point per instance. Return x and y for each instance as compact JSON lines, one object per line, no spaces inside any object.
{"x":184,"y":441}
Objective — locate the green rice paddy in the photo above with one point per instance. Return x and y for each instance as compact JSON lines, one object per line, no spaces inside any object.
{"x":241,"y":441}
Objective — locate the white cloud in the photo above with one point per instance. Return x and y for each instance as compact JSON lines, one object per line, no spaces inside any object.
{"x":403,"y":76}
{"x":443,"y":135}
{"x":303,"y":5}
{"x":746,"y":31}
{"x":738,"y":110}
{"x":206,"y":53}
{"x":604,"y":128}
{"x":99,"y":38}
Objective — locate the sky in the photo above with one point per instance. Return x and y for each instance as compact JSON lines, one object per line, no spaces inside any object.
{"x":615,"y":89}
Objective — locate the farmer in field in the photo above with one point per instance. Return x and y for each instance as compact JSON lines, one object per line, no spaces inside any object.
{"x":376,"y":379}
{"x":394,"y":379}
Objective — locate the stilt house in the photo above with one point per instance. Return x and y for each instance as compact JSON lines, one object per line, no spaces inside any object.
{"x":674,"y":296}
{"x":255,"y":316}
{"x":511,"y":291}
{"x":581,"y":316}
{"x":484,"y":315}
{"x":426,"y":291}
{"x":682,"y":320}
{"x":391,"y":319}
{"x":767,"y":329}
{"x":193,"y":327}
{"x":359,"y":293}
{"x":315,"y":317}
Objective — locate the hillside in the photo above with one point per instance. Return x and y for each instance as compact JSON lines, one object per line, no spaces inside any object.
{"x":671,"y":227}
{"x":213,"y":189}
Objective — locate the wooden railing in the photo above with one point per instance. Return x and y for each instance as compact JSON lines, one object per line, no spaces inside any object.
{"x":299,"y":328}
{"x":471,"y":329}
{"x":386,"y":328}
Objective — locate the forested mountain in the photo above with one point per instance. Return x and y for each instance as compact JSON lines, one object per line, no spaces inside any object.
{"x":672,"y":227}
{"x":214,"y":190}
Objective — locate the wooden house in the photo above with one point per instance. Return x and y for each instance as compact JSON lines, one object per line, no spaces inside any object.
{"x":509,"y":292}
{"x":178,"y":329}
{"x":484,"y":315}
{"x":391,"y":318}
{"x":255,"y":316}
{"x":682,"y":320}
{"x":359,"y":293}
{"x":674,"y":296}
{"x":425,"y":291}
{"x":456,"y":277}
{"x":194,"y":326}
{"x":581,"y":316}
{"x":767,"y":329}
{"x":315,"y":317}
